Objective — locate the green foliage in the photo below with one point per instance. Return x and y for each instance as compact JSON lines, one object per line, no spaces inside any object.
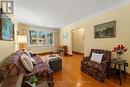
{"x":33,"y":79}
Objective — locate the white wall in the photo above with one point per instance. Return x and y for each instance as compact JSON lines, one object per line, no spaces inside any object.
{"x":8,"y":47}
{"x":121,"y":14}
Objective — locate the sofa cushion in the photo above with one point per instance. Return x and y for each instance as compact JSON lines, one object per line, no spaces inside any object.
{"x":33,"y":61}
{"x":13,"y":70}
{"x":96,"y":57}
{"x":38,"y":59}
{"x":26,"y":62}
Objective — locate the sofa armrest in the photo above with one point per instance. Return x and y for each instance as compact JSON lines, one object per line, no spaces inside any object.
{"x":102,"y":66}
{"x":14,"y":81}
{"x":87,"y":58}
{"x":103,"y":63}
{"x":1,"y":77}
{"x":20,"y":80}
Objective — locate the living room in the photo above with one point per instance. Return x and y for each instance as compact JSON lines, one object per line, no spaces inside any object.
{"x":46,"y":28}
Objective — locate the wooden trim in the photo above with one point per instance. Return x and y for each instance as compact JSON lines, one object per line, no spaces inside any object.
{"x":43,"y":53}
{"x":77,"y":53}
{"x":69,"y":54}
{"x":128,"y":74}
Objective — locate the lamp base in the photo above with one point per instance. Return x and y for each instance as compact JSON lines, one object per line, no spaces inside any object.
{"x":23,"y":49}
{"x":22,"y":46}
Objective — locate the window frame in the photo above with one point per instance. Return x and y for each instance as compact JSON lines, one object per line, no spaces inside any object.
{"x":37,"y":37}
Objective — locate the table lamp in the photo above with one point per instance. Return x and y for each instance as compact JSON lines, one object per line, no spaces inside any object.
{"x":22,"y":40}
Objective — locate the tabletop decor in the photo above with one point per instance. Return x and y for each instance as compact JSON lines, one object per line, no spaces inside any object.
{"x":32,"y":81}
{"x":120,"y":49}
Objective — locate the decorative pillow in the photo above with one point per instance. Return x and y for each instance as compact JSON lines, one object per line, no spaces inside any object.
{"x":33,"y":60}
{"x":96,"y":57}
{"x":26,"y":62}
{"x":29,"y":55}
{"x":30,"y":52}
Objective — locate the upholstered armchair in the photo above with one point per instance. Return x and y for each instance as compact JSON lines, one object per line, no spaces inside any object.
{"x":97,"y":70}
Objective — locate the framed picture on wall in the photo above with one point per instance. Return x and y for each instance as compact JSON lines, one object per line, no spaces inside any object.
{"x":6,"y":28}
{"x":65,"y":36}
{"x":105,"y":30}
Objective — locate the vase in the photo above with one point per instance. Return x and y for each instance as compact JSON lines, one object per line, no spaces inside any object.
{"x":119,"y":57}
{"x":33,"y":85}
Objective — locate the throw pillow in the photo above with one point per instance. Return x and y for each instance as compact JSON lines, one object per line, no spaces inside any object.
{"x":26,"y":62}
{"x":33,"y":60}
{"x":96,"y":57}
{"x":29,"y":55}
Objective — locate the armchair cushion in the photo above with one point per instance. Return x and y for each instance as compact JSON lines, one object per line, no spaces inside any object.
{"x":96,"y":57}
{"x":92,"y":64}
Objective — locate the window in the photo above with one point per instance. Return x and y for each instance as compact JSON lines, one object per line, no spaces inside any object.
{"x":41,"y":38}
{"x":50,"y":38}
{"x":33,"y":37}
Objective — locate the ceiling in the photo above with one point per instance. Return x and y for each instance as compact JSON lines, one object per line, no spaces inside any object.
{"x":60,"y":13}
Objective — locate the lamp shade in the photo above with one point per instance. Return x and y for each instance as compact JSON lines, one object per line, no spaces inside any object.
{"x":22,"y":39}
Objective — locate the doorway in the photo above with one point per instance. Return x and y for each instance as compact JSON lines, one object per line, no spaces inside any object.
{"x":78,"y":40}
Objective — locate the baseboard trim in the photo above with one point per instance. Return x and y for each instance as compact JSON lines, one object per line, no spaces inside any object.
{"x":128,"y":74}
{"x":69,"y":54}
{"x":78,"y":53}
{"x":43,"y":53}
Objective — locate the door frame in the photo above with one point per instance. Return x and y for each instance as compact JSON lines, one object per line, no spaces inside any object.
{"x":72,"y":38}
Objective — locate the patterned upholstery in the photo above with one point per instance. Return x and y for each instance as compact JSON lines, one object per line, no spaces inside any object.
{"x":14,"y":67}
{"x":94,"y":69}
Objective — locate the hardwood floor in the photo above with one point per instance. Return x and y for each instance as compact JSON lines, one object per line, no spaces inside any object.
{"x":71,"y":76}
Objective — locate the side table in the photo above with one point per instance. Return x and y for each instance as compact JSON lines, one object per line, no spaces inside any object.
{"x":119,"y":64}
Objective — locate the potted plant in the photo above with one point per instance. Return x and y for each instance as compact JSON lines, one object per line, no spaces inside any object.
{"x":32,"y":81}
{"x":119,"y":49}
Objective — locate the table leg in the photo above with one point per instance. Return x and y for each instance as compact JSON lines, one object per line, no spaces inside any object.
{"x":115,"y":66}
{"x":108,"y":70}
{"x":124,"y":71}
{"x":120,"y":75}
